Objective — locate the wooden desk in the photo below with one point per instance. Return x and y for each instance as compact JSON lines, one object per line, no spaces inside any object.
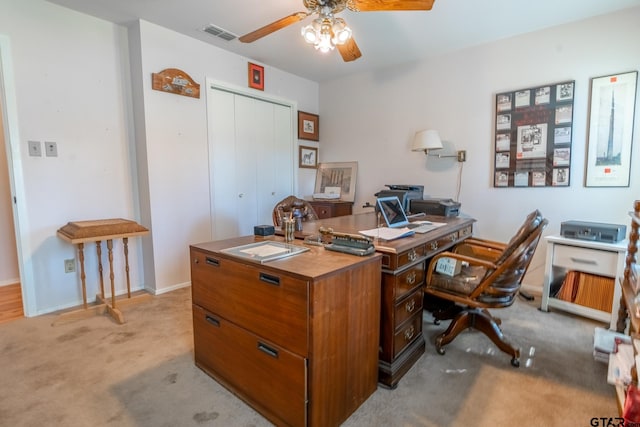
{"x":80,"y":232}
{"x":296,"y":338}
{"x":403,"y":273}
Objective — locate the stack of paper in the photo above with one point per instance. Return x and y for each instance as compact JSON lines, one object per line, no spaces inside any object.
{"x":386,"y":233}
{"x":605,"y":343}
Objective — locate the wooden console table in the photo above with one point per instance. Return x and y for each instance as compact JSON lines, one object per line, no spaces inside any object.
{"x":403,"y":273}
{"x":80,"y":232}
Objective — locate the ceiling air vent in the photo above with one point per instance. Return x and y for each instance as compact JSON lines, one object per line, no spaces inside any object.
{"x":219,"y":32}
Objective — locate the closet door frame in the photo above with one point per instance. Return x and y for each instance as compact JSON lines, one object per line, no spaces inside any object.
{"x":212,"y":85}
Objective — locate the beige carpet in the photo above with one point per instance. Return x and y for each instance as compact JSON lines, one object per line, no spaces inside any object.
{"x":94,"y":372}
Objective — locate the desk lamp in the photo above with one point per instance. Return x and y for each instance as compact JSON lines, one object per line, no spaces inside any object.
{"x":428,"y":140}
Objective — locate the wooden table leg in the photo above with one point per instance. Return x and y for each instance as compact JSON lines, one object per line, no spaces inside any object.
{"x":125,"y":241}
{"x":111,"y":276}
{"x":99,"y":249}
{"x":82,"y":275}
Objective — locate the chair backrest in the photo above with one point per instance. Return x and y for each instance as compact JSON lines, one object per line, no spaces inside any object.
{"x":298,"y":207}
{"x":503,"y":282}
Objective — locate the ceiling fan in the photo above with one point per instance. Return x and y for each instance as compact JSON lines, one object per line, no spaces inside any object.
{"x":327,"y":31}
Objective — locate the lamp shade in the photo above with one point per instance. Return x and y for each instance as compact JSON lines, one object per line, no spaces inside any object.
{"x":426,"y":140}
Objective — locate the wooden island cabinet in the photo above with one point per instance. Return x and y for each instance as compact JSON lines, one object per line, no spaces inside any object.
{"x":295,"y":338}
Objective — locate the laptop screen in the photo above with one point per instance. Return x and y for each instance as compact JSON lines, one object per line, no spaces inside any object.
{"x":392,"y":211}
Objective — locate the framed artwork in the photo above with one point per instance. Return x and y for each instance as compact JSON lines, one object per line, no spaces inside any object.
{"x":532,"y":143}
{"x":307,"y":157}
{"x":308,"y":126}
{"x":611,"y":113}
{"x":330,"y":176}
{"x":256,"y":76}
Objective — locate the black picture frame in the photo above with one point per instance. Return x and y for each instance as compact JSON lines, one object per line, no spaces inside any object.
{"x":533,"y":130}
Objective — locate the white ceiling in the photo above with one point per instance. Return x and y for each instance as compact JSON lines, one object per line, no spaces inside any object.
{"x":385,"y":38}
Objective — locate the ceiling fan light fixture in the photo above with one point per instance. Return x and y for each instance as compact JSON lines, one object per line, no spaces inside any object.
{"x":326,"y":32}
{"x":309,"y":34}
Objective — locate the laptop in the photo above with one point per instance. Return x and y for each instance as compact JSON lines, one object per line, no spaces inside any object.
{"x":395,"y":216}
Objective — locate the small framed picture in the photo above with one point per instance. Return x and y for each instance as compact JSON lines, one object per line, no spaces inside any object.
{"x":308,"y":126}
{"x":308,"y":157}
{"x":256,"y":76}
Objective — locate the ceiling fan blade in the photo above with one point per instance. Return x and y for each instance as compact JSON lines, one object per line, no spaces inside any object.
{"x":349,"y":50}
{"x":374,"y":5}
{"x":274,"y":26}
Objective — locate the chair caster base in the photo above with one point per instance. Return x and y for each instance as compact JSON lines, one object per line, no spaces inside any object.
{"x":515,"y":362}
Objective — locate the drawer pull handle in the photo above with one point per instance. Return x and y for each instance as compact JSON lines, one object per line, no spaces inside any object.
{"x":453,"y":237}
{"x":410,"y":306}
{"x":433,"y":246}
{"x":408,"y":334}
{"x":411,"y":278}
{"x":583,"y":261}
{"x":212,"y":261}
{"x":413,"y":255}
{"x":266,"y":349}
{"x":212,"y":320}
{"x":272,"y":280}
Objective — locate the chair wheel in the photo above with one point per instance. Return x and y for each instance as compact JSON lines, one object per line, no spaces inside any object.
{"x":436,"y":321}
{"x":440,"y":350}
{"x":515,"y":362}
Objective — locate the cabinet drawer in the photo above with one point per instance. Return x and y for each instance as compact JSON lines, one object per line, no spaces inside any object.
{"x":397,"y":261}
{"x":447,"y":241}
{"x":407,"y":307}
{"x":404,"y":282}
{"x":323,"y":210}
{"x":274,"y":306}
{"x":262,"y":373}
{"x":584,"y":259}
{"x":407,"y":334}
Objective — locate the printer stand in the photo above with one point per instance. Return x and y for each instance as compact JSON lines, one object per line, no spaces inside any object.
{"x":603,"y":259}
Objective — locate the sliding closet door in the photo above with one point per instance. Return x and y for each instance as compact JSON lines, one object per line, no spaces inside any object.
{"x":251,"y":160}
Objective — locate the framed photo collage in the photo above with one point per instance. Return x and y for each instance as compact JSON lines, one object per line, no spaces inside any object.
{"x":533,"y":130}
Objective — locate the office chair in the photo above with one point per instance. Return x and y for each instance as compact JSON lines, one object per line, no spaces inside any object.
{"x":490,"y":277}
{"x":300,"y":209}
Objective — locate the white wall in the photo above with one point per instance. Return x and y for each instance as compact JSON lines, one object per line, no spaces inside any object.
{"x":372,"y":117}
{"x":67,"y":79}
{"x":176,"y":140}
{"x":73,"y":79}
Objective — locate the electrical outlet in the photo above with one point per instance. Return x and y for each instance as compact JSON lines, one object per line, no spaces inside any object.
{"x":462,"y":155}
{"x":35,"y":148}
{"x":51,"y":148}
{"x":69,"y":265}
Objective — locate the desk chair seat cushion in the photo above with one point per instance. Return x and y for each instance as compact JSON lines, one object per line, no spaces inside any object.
{"x":464,"y":284}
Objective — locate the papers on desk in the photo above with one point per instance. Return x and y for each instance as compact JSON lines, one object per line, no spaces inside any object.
{"x":386,"y":233}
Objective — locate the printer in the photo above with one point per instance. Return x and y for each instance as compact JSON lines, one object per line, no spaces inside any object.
{"x":440,"y":207}
{"x":405,"y":193}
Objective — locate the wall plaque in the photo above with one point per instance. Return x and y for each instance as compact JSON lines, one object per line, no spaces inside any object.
{"x":175,"y":81}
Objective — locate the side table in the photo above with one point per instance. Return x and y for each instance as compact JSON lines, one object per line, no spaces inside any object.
{"x":603,"y":259}
{"x":80,"y":232}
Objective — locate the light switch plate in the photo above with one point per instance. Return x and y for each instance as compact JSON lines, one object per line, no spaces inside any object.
{"x":51,"y":148}
{"x":35,"y":148}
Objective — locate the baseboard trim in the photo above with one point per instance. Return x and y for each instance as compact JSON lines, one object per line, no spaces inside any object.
{"x":9,"y":281}
{"x":169,"y":288}
{"x":531,"y":290}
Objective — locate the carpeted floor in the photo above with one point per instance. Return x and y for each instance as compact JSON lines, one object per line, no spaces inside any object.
{"x":94,"y":372}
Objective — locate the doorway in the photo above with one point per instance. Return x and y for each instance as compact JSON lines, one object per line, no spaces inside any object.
{"x":10,"y":288}
{"x":14,"y":246}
